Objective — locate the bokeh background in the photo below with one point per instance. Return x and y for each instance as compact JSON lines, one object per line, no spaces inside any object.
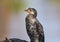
{"x":12,"y":18}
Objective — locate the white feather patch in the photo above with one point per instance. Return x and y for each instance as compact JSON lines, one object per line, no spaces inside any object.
{"x":33,"y":20}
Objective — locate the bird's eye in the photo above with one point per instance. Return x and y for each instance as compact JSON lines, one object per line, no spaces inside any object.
{"x":30,"y":10}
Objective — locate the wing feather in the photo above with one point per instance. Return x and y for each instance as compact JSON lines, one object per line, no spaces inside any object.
{"x":40,"y":31}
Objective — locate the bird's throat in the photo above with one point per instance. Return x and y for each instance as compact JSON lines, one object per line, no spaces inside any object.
{"x":32,"y":16}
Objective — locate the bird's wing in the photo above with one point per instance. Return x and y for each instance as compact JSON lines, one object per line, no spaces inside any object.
{"x":40,"y":30}
{"x":39,"y":27}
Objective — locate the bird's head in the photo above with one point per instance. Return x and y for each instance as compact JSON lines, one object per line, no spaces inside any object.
{"x":31,"y":11}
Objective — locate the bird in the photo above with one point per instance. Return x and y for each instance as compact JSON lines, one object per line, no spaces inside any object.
{"x":13,"y":40}
{"x":33,"y":27}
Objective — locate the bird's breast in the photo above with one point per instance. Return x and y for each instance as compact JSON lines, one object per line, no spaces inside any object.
{"x":32,"y":21}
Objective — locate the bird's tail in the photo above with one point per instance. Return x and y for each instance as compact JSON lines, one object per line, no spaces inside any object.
{"x":42,"y":39}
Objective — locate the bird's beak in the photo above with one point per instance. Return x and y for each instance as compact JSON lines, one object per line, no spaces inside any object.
{"x":28,"y":11}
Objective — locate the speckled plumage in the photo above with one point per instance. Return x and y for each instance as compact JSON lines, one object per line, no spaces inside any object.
{"x":34,"y":27}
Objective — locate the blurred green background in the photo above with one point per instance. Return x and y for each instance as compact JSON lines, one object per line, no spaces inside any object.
{"x":14,"y":5}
